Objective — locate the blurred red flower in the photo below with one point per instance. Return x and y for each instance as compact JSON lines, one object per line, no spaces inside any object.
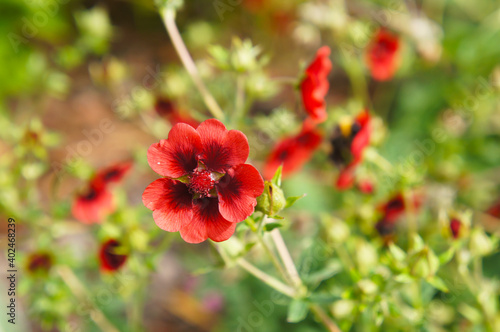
{"x":348,"y":144}
{"x":208,"y":187}
{"x":166,"y":109}
{"x":383,"y":55}
{"x":109,"y":258}
{"x":455,"y":226}
{"x":293,"y":152}
{"x":92,"y":205}
{"x":39,"y":262}
{"x":392,"y":211}
{"x":314,"y":86}
{"x":114,"y":173}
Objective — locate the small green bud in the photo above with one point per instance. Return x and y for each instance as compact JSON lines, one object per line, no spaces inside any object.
{"x":272,"y":200}
{"x":480,"y":243}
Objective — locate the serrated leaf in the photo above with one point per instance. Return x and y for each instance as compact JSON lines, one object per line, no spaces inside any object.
{"x":269,"y":227}
{"x":291,"y":200}
{"x":297,"y":311}
{"x":277,"y":176}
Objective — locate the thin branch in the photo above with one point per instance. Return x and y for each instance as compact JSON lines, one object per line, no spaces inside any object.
{"x":78,"y":289}
{"x":266,"y":278}
{"x":286,"y":257}
{"x":168,"y":16}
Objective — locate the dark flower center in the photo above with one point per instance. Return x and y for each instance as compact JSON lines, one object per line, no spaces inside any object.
{"x":113,"y":260}
{"x":111,"y":175}
{"x":201,"y":182}
{"x":91,"y":194}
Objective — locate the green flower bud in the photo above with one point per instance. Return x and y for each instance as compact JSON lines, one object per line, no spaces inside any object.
{"x":480,"y":243}
{"x":272,"y":200}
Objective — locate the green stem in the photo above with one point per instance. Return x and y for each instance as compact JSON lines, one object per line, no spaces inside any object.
{"x":266,"y":278}
{"x":168,"y":16}
{"x":239,"y":104}
{"x":80,"y":292}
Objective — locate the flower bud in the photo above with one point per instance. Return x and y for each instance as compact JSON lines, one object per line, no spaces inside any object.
{"x":480,"y":243}
{"x":272,"y":200}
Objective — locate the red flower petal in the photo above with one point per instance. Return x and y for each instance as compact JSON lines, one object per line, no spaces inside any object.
{"x":114,"y":173}
{"x":238,"y":191}
{"x":93,"y":206}
{"x":111,"y":261}
{"x":171,"y":203}
{"x":315,"y":85}
{"x":177,"y":155}
{"x":207,"y":222}
{"x":382,"y":55}
{"x":292,"y":152}
{"x":362,"y":138}
{"x":455,"y":226}
{"x":346,"y":176}
{"x":222,"y":149}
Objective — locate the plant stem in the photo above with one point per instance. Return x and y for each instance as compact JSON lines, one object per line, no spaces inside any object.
{"x":266,"y":278}
{"x":239,"y":104}
{"x":168,"y":16}
{"x":323,"y":317}
{"x":286,"y":258}
{"x":299,"y":285}
{"x":78,"y":289}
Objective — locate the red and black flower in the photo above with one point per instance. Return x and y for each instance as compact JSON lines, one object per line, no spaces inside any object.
{"x":166,"y":109}
{"x":348,"y":143}
{"x":207,"y":188}
{"x":96,"y":202}
{"x":40,"y":262}
{"x":314,"y":86}
{"x":293,"y":152}
{"x":382,"y":55}
{"x":111,"y":256}
{"x":392,"y":210}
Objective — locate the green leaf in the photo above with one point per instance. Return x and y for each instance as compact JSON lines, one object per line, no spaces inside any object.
{"x":397,"y":252}
{"x":269,"y":227}
{"x":324,"y":298}
{"x":446,"y":256}
{"x":291,"y":200}
{"x":438,"y":283}
{"x":404,"y":278}
{"x":297,"y":311}
{"x":277,"y":177}
{"x":333,"y":268}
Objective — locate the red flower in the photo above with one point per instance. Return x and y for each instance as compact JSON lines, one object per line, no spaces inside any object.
{"x":315,"y":85}
{"x":208,"y":188}
{"x":455,"y":226}
{"x":293,"y":152}
{"x":115,"y":173}
{"x":94,"y":204}
{"x":348,"y":144}
{"x":165,"y":108}
{"x":392,"y":210}
{"x":366,"y":186}
{"x":109,"y":257}
{"x":382,"y":55}
{"x":39,"y":262}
